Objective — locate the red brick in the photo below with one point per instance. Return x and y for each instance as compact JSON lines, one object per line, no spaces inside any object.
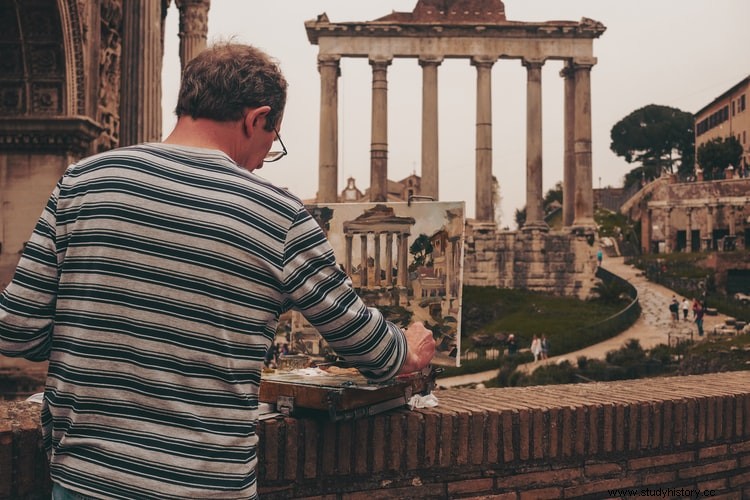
{"x":739,"y":480}
{"x":538,"y":434}
{"x":386,"y":493}
{"x":431,"y":422}
{"x":620,"y":427}
{"x":656,"y":413}
{"x":691,"y":424}
{"x":739,"y":401}
{"x":608,"y":428}
{"x":666,"y":435}
{"x":645,"y":416}
{"x":600,"y":487}
{"x":713,"y":451}
{"x":27,"y":441}
{"x":554,"y":433}
{"x":501,"y":496}
{"x":593,"y":470}
{"x":678,"y":423}
{"x":594,"y":413}
{"x":542,"y":478}
{"x":508,"y":448}
{"x":414,"y":433}
{"x":568,"y":432}
{"x":633,"y":422}
{"x":580,"y":442}
{"x":470,"y":486}
{"x":702,"y":419}
{"x":291,"y":450}
{"x":745,"y":461}
{"x":740,"y":447}
{"x":711,"y":419}
{"x":746,"y":413}
{"x":716,"y":484}
{"x":462,"y":443}
{"x":729,"y":415}
{"x":719,"y":404}
{"x":448,"y":425}
{"x":649,"y":462}
{"x":704,"y":470}
{"x":478,"y":438}
{"x":542,"y":494}
{"x":524,"y":432}
{"x":658,"y":478}
{"x":492,"y":435}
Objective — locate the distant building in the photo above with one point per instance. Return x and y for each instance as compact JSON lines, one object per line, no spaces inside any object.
{"x":397,"y":190}
{"x":727,"y":116}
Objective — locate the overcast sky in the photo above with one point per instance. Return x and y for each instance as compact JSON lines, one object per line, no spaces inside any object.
{"x":680,"y":53}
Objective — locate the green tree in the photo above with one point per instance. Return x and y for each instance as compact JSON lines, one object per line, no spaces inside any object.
{"x":717,"y":154}
{"x":420,"y":249}
{"x":660,"y":138}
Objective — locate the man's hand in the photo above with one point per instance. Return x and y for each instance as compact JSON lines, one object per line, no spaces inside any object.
{"x":420,"y":348}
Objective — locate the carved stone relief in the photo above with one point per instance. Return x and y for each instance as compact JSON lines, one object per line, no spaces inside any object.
{"x":108,"y":100}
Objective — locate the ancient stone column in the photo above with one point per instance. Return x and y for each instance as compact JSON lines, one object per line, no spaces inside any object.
{"x":403,"y":258}
{"x":363,"y":258}
{"x":193,"y":28}
{"x":484,"y":210}
{"x":376,"y":270}
{"x":449,"y":268}
{"x":430,"y":170}
{"x":689,"y":231}
{"x":348,"y":254}
{"x":668,"y":230}
{"x":534,"y":194}
{"x":328,"y":153}
{"x":569,"y":158}
{"x":389,"y":259}
{"x":379,"y":141}
{"x":732,"y":221}
{"x":709,"y":227}
{"x":140,"y":105}
{"x":584,"y":191}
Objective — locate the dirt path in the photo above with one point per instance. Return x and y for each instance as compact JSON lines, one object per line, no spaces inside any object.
{"x":654,"y":326}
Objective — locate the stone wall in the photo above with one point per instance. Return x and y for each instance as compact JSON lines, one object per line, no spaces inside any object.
{"x":572,"y":441}
{"x":556,"y":262}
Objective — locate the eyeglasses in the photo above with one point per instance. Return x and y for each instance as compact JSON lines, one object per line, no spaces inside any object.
{"x":272,"y":156}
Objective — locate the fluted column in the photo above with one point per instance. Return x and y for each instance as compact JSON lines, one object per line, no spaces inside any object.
{"x":484,"y":210}
{"x":403,"y":258}
{"x":430,"y":166}
{"x":140,"y":105}
{"x":569,"y":158}
{"x":534,"y":194}
{"x":193,"y":28}
{"x":328,"y":152}
{"x":584,"y":191}
{"x":379,"y":142}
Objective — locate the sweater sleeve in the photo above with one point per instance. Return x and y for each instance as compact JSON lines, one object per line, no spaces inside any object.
{"x":321,"y":291}
{"x":27,"y":305}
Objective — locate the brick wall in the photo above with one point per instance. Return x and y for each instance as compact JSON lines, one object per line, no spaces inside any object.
{"x":572,"y":441}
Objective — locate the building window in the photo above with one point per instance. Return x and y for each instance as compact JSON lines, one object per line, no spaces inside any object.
{"x":742,"y":103}
{"x":733,"y":108}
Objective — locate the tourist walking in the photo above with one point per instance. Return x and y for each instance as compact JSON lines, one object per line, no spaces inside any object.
{"x":699,"y":319}
{"x":685,"y":308}
{"x":545,"y":347}
{"x":674,"y":309}
{"x":536,"y":347}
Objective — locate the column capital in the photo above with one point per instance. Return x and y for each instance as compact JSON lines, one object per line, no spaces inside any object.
{"x":382,"y":61}
{"x":483,"y":61}
{"x":430,"y":60}
{"x":533,"y":62}
{"x":329,"y":61}
{"x":583,"y":63}
{"x":568,"y":71}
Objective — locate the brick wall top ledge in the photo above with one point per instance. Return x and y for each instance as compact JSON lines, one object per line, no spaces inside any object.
{"x":577,"y":440}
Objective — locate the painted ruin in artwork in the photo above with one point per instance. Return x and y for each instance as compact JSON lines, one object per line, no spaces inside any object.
{"x":405,"y":259}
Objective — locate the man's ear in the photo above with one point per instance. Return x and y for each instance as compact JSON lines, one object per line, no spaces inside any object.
{"x":256,"y":117}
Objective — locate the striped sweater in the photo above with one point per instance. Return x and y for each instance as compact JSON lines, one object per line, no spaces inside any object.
{"x":153,"y":283}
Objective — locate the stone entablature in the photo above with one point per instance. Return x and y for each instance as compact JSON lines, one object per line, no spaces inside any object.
{"x":559,"y":441}
{"x":476,"y":30}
